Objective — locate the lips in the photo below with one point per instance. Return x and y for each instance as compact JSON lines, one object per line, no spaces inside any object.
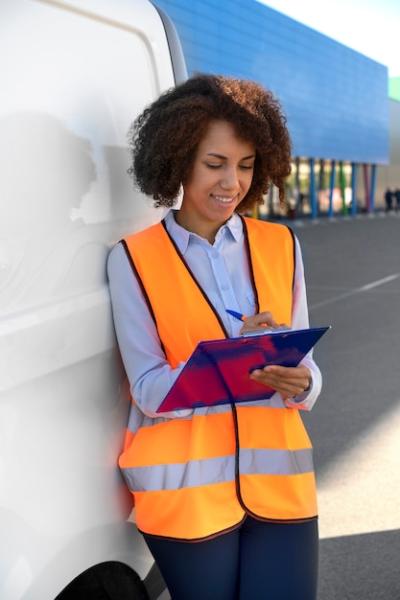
{"x":224,"y":199}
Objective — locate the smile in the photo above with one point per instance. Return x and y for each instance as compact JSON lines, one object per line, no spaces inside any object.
{"x":225,"y":199}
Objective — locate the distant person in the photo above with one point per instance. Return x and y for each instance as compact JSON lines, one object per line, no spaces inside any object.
{"x":388,"y":199}
{"x":300,"y":204}
{"x":397,"y":196}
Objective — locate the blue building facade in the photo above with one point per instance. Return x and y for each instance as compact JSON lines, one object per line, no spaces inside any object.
{"x":335,"y":99}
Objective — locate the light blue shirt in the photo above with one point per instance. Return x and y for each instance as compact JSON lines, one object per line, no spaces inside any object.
{"x":222,"y":270}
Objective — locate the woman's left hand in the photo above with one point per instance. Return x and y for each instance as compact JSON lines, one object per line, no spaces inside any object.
{"x":288,"y":381}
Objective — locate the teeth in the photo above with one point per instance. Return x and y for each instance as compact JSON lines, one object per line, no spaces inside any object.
{"x":224,"y":199}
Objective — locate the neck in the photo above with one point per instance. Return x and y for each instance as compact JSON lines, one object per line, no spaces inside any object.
{"x":205,"y":230}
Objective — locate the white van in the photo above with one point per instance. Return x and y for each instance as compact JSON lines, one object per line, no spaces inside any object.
{"x":74,"y":74}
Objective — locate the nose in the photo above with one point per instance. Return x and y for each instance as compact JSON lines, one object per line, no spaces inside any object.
{"x":230,"y":179}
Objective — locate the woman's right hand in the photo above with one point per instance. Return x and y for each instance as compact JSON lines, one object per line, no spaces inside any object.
{"x":260,"y":321}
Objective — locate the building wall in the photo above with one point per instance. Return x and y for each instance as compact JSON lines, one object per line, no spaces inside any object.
{"x":389,"y":176}
{"x":335,"y":98}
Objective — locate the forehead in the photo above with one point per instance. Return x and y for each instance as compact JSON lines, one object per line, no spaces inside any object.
{"x":221,"y":136}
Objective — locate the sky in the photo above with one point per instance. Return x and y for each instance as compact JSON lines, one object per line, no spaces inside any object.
{"x":371,"y":27}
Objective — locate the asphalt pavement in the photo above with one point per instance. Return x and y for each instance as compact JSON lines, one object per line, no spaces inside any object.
{"x":353,"y":280}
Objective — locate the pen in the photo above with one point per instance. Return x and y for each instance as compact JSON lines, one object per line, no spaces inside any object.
{"x":235,"y":314}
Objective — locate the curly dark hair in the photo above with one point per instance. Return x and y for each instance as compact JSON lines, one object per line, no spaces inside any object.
{"x":163,"y":140}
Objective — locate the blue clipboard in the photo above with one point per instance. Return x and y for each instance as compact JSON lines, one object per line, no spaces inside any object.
{"x":218,"y":370}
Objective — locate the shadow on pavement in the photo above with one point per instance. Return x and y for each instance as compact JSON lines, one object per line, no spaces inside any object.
{"x":360,"y":567}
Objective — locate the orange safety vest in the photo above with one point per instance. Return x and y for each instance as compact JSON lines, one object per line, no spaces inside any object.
{"x":196,"y":476}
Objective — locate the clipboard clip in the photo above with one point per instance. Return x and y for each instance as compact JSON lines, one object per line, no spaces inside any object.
{"x":264,"y":331}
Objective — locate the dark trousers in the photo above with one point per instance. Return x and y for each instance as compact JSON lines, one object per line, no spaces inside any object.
{"x":256,"y":561}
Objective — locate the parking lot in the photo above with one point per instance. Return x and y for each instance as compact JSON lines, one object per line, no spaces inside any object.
{"x":353,"y":276}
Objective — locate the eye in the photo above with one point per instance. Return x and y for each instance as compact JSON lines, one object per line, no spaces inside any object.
{"x":246,"y":167}
{"x":213,"y":166}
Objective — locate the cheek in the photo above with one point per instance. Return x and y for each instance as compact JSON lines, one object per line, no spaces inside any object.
{"x":206,"y":179}
{"x":195,"y":186}
{"x":210,"y":184}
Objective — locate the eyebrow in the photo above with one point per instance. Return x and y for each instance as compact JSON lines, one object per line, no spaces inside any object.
{"x":224,"y":157}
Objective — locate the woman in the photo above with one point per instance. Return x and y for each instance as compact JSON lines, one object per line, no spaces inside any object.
{"x":224,"y":496}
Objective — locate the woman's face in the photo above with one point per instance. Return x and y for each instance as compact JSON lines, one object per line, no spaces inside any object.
{"x":220,"y":178}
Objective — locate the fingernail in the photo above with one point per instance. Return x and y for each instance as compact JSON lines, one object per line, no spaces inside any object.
{"x":256,"y":373}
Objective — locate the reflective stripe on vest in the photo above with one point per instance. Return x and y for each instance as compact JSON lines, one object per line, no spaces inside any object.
{"x":197,"y":476}
{"x":217,"y":470}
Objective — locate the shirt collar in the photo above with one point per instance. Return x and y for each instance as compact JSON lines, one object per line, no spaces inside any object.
{"x":182,"y":237}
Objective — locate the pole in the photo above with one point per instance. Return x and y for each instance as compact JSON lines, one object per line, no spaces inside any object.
{"x":353,"y":189}
{"x":313,"y":196}
{"x":366,"y":188}
{"x":332,"y":187}
{"x":342,"y":183}
{"x":372,"y":190}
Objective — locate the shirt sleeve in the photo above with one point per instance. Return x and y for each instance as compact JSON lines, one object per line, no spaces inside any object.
{"x":300,"y":320}
{"x":150,"y":375}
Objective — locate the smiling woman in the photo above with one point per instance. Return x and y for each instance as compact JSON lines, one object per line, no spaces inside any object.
{"x":237,"y":478}
{"x":219,"y":180}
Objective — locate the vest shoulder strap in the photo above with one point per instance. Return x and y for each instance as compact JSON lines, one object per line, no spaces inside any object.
{"x":271,"y":251}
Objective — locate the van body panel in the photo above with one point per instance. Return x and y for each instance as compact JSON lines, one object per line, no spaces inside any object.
{"x":74,"y":76}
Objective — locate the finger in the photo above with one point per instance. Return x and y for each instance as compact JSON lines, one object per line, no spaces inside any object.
{"x":299,"y":386}
{"x":264,"y":319}
{"x":287,"y":391}
{"x":285,"y":371}
{"x":292,"y":373}
{"x":284,"y":387}
{"x":279,"y":385}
